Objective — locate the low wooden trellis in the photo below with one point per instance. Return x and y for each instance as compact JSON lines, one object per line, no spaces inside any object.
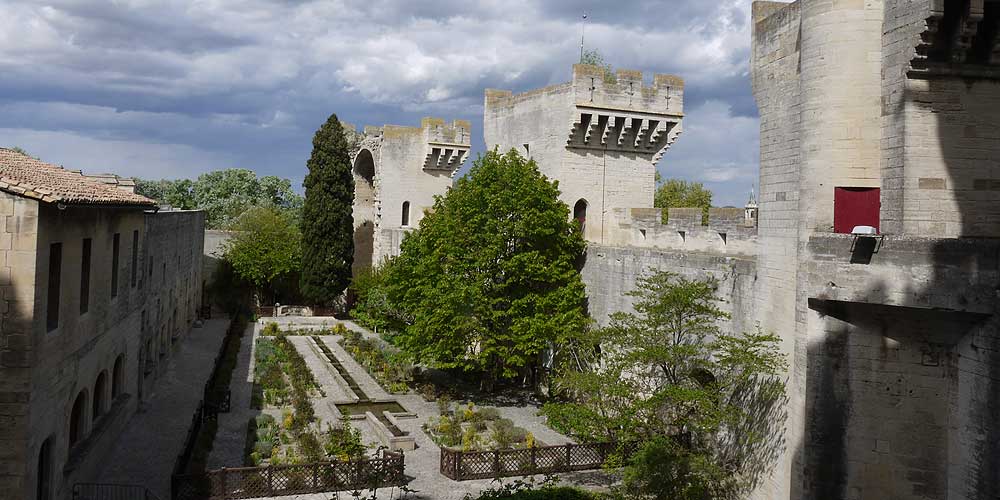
{"x":278,"y":480}
{"x":465,"y":465}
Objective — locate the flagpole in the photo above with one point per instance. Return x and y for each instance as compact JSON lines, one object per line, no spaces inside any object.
{"x":583,"y":27}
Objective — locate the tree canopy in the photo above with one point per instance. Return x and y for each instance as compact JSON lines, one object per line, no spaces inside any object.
{"x":676,"y":193}
{"x":265,"y":251}
{"x":327,"y":218}
{"x":223,"y":194}
{"x":705,"y":405}
{"x":489,"y":280}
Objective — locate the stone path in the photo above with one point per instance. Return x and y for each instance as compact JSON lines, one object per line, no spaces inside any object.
{"x":230,"y":439}
{"x":146,"y":450}
{"x":336,"y":388}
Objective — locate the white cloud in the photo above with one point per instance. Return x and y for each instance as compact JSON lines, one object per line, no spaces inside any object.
{"x":219,"y":81}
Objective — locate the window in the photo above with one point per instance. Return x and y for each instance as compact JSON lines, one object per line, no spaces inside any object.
{"x":853,"y":206}
{"x":55,"y":282}
{"x":85,"y":276}
{"x":406,"y":213}
{"x":580,"y":213}
{"x":118,"y":377}
{"x":115,"y":248}
{"x":135,"y":257}
{"x":100,"y":388}
{"x":78,"y":418}
{"x":45,"y":471}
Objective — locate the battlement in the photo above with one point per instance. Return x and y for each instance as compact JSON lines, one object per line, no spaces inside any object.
{"x":625,"y":91}
{"x":447,"y":145}
{"x":727,"y":232}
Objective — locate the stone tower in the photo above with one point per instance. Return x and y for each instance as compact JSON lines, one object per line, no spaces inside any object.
{"x":397,"y":172}
{"x":599,"y":136}
{"x":882,"y":113}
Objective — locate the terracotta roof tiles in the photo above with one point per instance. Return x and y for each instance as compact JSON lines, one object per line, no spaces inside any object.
{"x":25,"y":176}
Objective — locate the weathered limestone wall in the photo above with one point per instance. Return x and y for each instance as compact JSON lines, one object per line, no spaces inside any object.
{"x":410,"y":166}
{"x":599,"y":138}
{"x":727,"y":232}
{"x":610,"y":272}
{"x":86,"y":346}
{"x":902,"y":347}
{"x":18,"y":241}
{"x":775,"y":78}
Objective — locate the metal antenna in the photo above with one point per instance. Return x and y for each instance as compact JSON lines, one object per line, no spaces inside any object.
{"x":583,"y":27}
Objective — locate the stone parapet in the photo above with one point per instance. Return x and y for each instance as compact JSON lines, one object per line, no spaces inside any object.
{"x":727,"y":232}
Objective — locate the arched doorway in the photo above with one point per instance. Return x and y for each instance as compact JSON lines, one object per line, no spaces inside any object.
{"x":406,"y":214}
{"x":118,"y":377}
{"x":364,"y":210}
{"x":44,"y":488}
{"x":78,"y":418}
{"x":580,"y":213}
{"x":100,"y":389}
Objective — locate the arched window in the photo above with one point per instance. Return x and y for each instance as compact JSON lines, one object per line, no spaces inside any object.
{"x":78,"y":418}
{"x":406,"y":213}
{"x":44,"y":490}
{"x":118,"y":377}
{"x":580,"y":212}
{"x":100,"y":389}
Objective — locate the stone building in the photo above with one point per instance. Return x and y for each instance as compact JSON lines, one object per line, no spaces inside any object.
{"x":96,"y":286}
{"x":882,"y":113}
{"x":599,"y":135}
{"x":397,"y":172}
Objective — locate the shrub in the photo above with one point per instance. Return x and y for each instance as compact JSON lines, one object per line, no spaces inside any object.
{"x":270,"y":329}
{"x":309,"y":447}
{"x":343,"y":442}
{"x":427,"y":391}
{"x":265,"y":420}
{"x":489,"y":414}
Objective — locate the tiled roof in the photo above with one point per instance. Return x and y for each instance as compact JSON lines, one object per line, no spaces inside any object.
{"x":25,"y":176}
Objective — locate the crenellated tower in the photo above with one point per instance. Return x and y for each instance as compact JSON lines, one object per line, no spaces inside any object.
{"x":599,"y":135}
{"x":397,"y":172}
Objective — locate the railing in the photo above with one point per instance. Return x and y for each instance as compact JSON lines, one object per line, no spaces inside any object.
{"x":464,"y":465}
{"x":96,"y":491}
{"x":280,"y":480}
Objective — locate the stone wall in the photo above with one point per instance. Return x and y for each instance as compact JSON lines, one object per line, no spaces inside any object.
{"x":598,"y":137}
{"x":610,"y":272}
{"x":727,"y":232}
{"x":95,"y":351}
{"x":775,"y":78}
{"x":18,"y":241}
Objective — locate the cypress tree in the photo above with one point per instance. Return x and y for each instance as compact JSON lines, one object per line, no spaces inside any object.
{"x":327,"y":221}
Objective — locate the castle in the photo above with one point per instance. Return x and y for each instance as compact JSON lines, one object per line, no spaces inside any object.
{"x":871,"y":248}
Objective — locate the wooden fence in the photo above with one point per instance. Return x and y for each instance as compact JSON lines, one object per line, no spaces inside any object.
{"x":279,"y":480}
{"x":464,"y":465}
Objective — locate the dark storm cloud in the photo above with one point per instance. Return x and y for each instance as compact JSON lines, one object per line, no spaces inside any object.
{"x":188,"y":86}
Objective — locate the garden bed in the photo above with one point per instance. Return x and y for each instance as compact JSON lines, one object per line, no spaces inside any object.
{"x":469,"y":428}
{"x":287,"y":386}
{"x":391,"y":368}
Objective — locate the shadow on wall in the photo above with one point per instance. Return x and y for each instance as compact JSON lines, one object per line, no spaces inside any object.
{"x":902,"y":399}
{"x":364,"y":245}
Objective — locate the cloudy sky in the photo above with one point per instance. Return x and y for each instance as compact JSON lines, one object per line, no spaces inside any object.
{"x":174,"y":88}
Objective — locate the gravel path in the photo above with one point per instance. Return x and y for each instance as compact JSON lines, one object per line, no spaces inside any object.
{"x":146,"y":450}
{"x":227,"y":450}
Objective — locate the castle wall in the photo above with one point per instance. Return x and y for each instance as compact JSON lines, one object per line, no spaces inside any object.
{"x":598,"y":136}
{"x":775,"y":62}
{"x":67,"y":361}
{"x":727,"y":232}
{"x":611,"y":272}
{"x":408,"y":167}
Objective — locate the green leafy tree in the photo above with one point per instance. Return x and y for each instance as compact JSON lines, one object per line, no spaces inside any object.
{"x":372,"y":307}
{"x":676,"y":193}
{"x":327,"y":219}
{"x":489,"y":279}
{"x":706,"y":406}
{"x":223,"y":194}
{"x":595,"y":58}
{"x":265,"y":251}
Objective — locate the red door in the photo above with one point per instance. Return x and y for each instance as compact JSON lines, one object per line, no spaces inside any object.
{"x":854,"y":206}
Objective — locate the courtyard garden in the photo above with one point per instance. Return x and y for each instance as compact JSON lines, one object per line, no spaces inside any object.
{"x":471,"y":428}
